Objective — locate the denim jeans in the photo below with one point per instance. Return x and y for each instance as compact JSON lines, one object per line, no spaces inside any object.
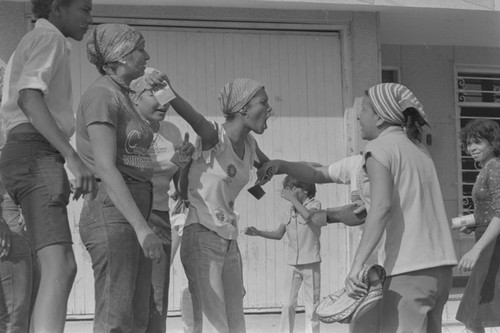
{"x":16,"y":274}
{"x":214,"y":271}
{"x":33,"y":173}
{"x":122,"y":274}
{"x":160,"y":279}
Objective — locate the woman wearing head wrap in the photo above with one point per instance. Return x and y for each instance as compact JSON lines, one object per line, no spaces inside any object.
{"x":222,"y":162}
{"x":406,"y":204}
{"x":113,"y":140}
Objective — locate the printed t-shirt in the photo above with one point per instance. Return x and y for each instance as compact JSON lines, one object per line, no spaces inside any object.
{"x":216,"y":177}
{"x":107,"y":101}
{"x":161,"y":150}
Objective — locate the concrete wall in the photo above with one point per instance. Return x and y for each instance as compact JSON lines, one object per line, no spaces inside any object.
{"x":12,"y":27}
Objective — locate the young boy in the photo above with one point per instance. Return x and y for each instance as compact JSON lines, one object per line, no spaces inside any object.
{"x":38,"y":119}
{"x":303,"y":252}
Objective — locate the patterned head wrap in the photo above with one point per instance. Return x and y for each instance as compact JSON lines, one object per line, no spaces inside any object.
{"x":236,"y":94}
{"x":110,"y":43}
{"x":390,"y":100}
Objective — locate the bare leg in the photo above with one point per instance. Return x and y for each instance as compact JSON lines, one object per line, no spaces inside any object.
{"x":56,"y":272}
{"x":474,"y":329}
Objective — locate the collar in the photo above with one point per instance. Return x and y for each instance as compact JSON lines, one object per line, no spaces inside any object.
{"x":392,"y":130}
{"x":46,"y":24}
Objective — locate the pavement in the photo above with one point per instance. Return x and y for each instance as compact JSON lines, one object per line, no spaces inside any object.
{"x":261,"y":323}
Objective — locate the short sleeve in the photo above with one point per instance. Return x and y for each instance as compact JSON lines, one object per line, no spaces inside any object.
{"x":44,"y":57}
{"x":378,"y":152}
{"x":314,"y":205}
{"x":216,"y":150}
{"x":344,"y":171}
{"x":99,"y":106}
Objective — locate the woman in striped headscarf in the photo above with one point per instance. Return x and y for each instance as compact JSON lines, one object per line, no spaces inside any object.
{"x":406,"y":204}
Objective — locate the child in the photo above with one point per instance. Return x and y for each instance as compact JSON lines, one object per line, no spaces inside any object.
{"x":303,"y":251}
{"x":37,"y":116}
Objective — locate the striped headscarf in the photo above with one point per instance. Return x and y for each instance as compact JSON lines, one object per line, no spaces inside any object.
{"x":236,"y":94}
{"x":389,"y":100}
{"x":110,"y":43}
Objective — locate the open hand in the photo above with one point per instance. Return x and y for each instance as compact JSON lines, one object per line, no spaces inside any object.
{"x":288,"y":194}
{"x":469,"y":260}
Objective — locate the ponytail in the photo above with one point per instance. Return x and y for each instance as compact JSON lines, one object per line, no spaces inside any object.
{"x":413,"y":124}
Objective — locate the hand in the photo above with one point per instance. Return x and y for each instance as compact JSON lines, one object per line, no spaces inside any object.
{"x":156,"y":77}
{"x":467,"y":230}
{"x":354,"y":286}
{"x":160,"y":228}
{"x":469,"y":260}
{"x":267,"y":171}
{"x":5,"y":243}
{"x":151,"y":245}
{"x":84,"y":181}
{"x":251,"y":231}
{"x":361,"y":208}
{"x":185,"y":148}
{"x":288,"y":194}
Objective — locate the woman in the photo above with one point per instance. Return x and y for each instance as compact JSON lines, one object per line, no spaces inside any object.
{"x":480,"y":304}
{"x":406,"y":204}
{"x":113,"y":140}
{"x":223,"y":158}
{"x":166,"y":141}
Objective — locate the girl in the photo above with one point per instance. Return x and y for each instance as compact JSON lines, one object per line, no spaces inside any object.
{"x":303,"y":255}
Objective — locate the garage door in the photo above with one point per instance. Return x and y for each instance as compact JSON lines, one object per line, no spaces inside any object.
{"x":302,"y":72}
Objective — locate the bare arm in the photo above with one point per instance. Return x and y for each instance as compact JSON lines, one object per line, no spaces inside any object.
{"x":381,"y":193}
{"x":103,"y":141}
{"x":33,"y":106}
{"x":274,"y":234}
{"x":309,"y":172}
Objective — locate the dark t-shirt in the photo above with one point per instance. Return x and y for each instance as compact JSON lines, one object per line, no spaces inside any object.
{"x":107,"y":101}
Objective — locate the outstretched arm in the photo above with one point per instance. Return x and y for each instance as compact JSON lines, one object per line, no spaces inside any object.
{"x":274,"y":234}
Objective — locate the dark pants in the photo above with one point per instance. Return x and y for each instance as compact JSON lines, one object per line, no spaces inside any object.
{"x":160,"y":280}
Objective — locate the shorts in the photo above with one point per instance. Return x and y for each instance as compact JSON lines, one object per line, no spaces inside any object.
{"x":33,"y":173}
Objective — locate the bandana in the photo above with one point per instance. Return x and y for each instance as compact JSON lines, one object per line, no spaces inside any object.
{"x":236,"y":94}
{"x":390,"y":100}
{"x":110,"y":43}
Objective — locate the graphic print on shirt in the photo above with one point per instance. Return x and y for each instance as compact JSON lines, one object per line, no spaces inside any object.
{"x":230,"y":172}
{"x":135,"y":155}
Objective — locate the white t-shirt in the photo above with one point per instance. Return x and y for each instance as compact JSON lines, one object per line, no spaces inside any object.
{"x":41,"y":61}
{"x":349,"y":170}
{"x":161,"y":150}
{"x":216,"y":177}
{"x":417,"y":233}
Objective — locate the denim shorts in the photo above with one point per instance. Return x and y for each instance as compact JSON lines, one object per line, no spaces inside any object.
{"x":33,"y":173}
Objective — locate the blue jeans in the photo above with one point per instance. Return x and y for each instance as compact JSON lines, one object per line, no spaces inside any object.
{"x":214,"y":271}
{"x":16,"y":274}
{"x":122,"y":274}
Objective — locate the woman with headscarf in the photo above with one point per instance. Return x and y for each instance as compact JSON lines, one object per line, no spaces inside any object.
{"x":113,"y":140}
{"x":406,"y":204}
{"x":222,"y":162}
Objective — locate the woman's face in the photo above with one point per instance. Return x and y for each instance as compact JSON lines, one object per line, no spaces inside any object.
{"x":480,"y":150}
{"x":258,"y":111}
{"x":135,"y":62}
{"x":149,"y":108}
{"x":368,"y":120}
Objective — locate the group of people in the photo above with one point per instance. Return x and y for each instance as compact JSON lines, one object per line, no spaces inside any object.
{"x":122,"y":167}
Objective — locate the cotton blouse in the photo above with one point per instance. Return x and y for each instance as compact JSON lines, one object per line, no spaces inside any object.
{"x":486,"y":194}
{"x":216,"y":177}
{"x":107,"y":101}
{"x":417,"y":232}
{"x":162,"y":149}
{"x":41,"y":61}
{"x":303,"y":236}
